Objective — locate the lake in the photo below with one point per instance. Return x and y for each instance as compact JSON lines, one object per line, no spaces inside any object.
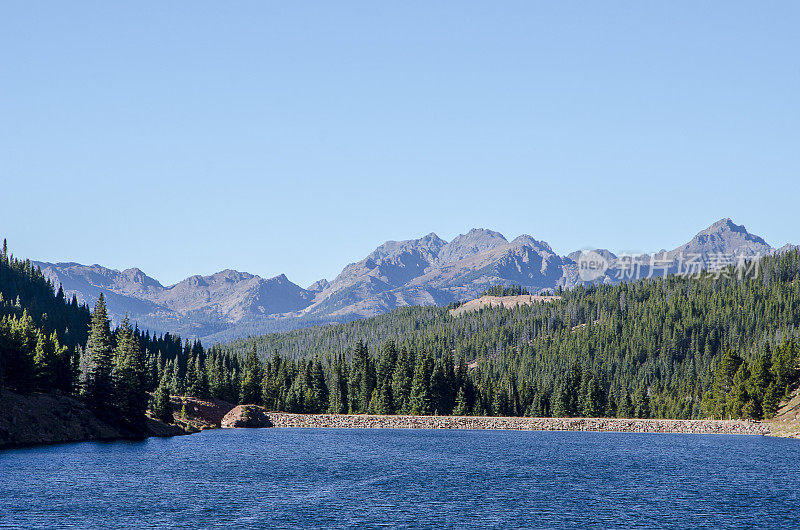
{"x":293,"y":478}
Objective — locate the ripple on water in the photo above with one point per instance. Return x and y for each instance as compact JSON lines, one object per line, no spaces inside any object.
{"x":292,"y":478}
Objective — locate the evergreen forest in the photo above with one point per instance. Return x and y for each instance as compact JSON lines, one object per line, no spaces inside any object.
{"x":722,"y":346}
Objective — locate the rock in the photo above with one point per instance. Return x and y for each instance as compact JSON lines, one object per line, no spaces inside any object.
{"x":246,"y":416}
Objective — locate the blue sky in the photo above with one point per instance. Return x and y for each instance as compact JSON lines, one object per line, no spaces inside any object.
{"x":292,"y":137}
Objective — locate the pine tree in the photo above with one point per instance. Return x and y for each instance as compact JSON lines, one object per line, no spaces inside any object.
{"x":177,"y":386}
{"x":641,"y":403}
{"x":319,"y":387}
{"x":611,"y":406}
{"x":99,"y":382}
{"x":499,"y":401}
{"x":462,"y":407}
{"x":295,"y":396}
{"x":368,"y":379}
{"x":251,"y":381}
{"x":18,"y":361}
{"x":45,"y":362}
{"x":402,"y":378}
{"x":442,"y":399}
{"x":420,"y":399}
{"x":130,"y":378}
{"x":625,"y":408}
{"x":374,"y":406}
{"x":192,"y":378}
{"x":386,"y":365}
{"x":337,"y":402}
{"x":161,"y":407}
{"x":723,"y":381}
{"x":592,"y":400}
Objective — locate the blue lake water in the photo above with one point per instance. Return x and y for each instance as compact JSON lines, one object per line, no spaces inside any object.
{"x":288,"y":478}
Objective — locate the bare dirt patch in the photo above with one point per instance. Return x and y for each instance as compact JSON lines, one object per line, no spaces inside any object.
{"x":786,"y":422}
{"x":197,"y":414}
{"x":508,"y":302}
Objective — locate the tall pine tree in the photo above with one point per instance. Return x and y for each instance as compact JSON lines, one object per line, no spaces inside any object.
{"x":130,"y":378}
{"x":99,"y":380}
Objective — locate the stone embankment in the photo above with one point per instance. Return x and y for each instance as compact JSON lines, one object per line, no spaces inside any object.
{"x":279,"y":419}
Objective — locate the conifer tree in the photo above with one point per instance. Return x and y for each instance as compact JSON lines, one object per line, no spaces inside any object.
{"x":338,"y":388}
{"x":723,"y":382}
{"x":251,"y":381}
{"x":99,"y":382}
{"x":362,"y":379}
{"x":19,"y":369}
{"x":402,"y":378}
{"x":161,"y":407}
{"x":319,"y":386}
{"x":641,"y":403}
{"x":45,"y":361}
{"x":420,"y":399}
{"x":192,"y":378}
{"x":499,"y":401}
{"x":462,"y":407}
{"x":130,"y":378}
{"x":625,"y":407}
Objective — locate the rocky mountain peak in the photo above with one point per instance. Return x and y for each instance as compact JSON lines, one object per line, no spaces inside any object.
{"x":723,"y":226}
{"x":318,"y":286}
{"x":473,"y":242}
{"x":724,"y":237}
{"x":605,"y":253}
{"x":422,"y":271}
{"x":428,"y":246}
{"x":136,"y":275}
{"x":526,"y":240}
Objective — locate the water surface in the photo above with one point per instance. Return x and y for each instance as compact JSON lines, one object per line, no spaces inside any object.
{"x":289,"y":478}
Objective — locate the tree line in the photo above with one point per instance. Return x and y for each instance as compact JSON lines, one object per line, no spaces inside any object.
{"x":503,"y":290}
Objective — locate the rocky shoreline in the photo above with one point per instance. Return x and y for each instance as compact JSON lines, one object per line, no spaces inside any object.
{"x":38,"y":419}
{"x":346,"y":421}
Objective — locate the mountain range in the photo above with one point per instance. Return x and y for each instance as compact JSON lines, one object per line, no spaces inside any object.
{"x":429,"y":270}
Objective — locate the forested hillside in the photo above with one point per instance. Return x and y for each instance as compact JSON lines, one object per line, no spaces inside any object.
{"x":40,"y":332}
{"x":681,"y":347}
{"x":51,"y":345}
{"x":675,"y":347}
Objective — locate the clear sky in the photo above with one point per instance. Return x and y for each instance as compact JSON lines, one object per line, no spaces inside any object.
{"x":294,"y":137}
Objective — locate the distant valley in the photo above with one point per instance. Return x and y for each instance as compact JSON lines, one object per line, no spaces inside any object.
{"x":424,"y":271}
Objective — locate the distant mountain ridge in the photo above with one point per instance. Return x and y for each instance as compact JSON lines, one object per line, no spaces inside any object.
{"x":428,"y":270}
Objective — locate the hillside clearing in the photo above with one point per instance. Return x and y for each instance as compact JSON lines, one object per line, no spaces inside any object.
{"x":500,"y":301}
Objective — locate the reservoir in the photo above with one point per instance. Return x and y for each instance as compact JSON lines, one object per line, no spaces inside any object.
{"x":299,"y":478}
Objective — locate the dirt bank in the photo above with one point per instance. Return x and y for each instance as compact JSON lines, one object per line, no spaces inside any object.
{"x":786,"y":422}
{"x":198,"y":414}
{"x":34,"y":419}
